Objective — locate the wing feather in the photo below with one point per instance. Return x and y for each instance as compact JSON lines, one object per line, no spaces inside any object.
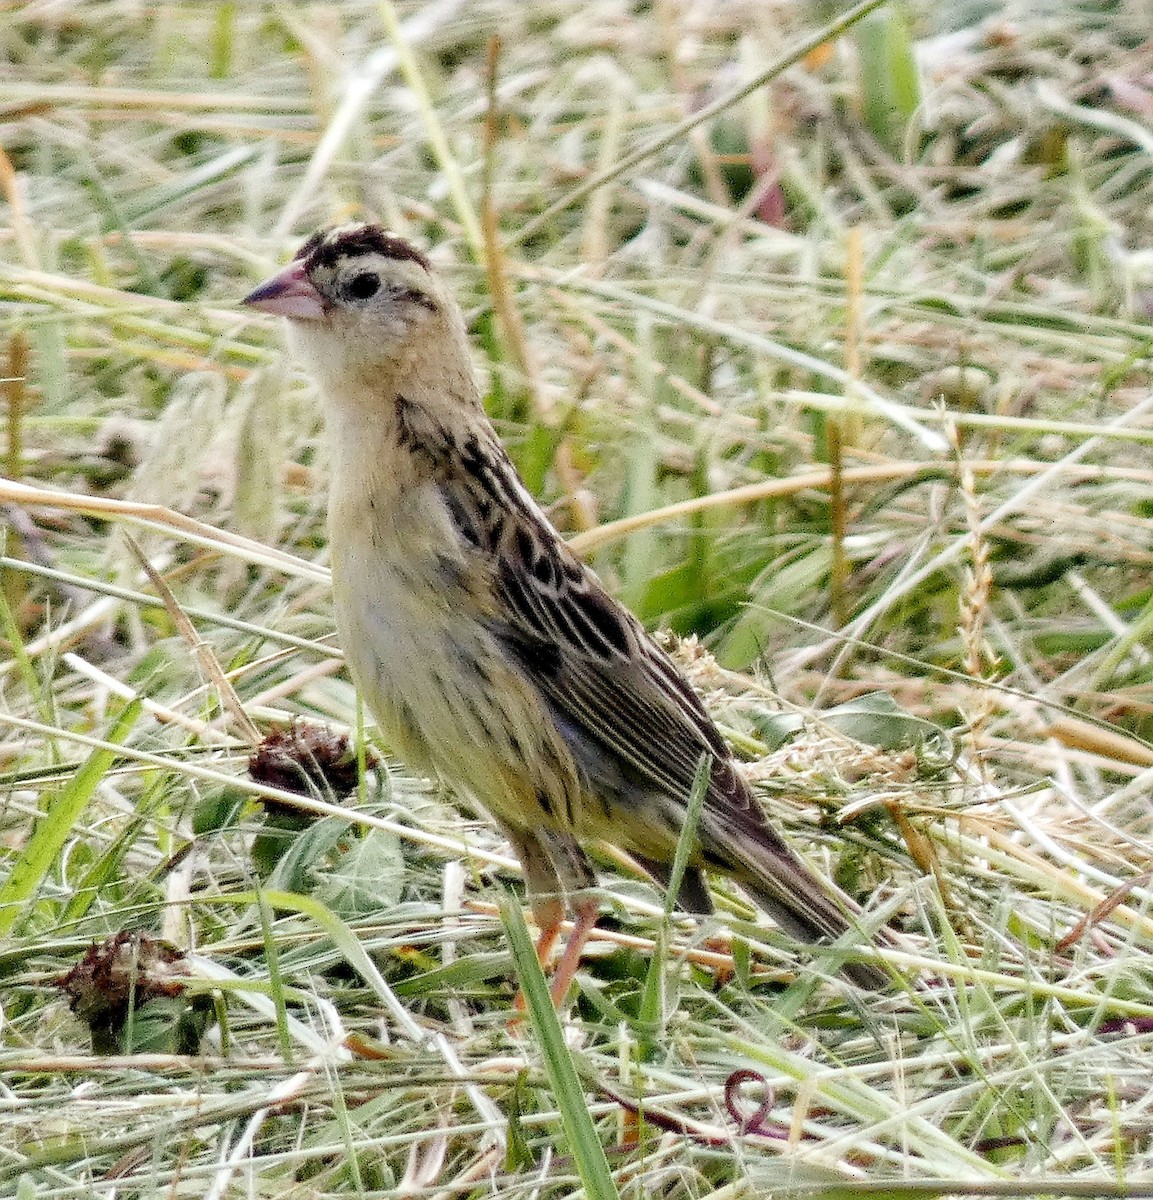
{"x":628,"y":715}
{"x":605,"y":677}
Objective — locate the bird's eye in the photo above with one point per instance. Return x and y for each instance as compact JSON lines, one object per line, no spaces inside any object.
{"x":363,"y":286}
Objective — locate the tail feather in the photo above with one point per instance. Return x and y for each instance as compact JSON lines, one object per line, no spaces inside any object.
{"x":795,"y":921}
{"x":780,"y":883}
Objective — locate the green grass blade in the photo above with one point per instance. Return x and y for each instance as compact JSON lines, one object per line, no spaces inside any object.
{"x":56,"y":824}
{"x":345,"y":941}
{"x":587,"y":1151}
{"x":890,"y":80}
{"x":653,"y":996}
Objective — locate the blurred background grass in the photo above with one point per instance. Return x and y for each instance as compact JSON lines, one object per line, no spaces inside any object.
{"x":847,"y":376}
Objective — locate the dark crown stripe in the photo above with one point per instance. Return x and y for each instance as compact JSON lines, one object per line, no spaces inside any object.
{"x":325,"y":249}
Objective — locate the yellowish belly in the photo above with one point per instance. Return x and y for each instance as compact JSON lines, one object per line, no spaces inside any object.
{"x":438,"y":684}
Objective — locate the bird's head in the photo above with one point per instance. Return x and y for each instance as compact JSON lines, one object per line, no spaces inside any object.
{"x":361,"y":302}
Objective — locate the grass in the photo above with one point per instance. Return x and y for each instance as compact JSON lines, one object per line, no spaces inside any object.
{"x":832,"y":357}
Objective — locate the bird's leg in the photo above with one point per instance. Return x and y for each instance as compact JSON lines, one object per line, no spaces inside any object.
{"x":549,"y":916}
{"x":576,"y":874}
{"x":555,"y":865}
{"x":585,"y":914}
{"x":548,"y":913}
{"x":545,"y":893}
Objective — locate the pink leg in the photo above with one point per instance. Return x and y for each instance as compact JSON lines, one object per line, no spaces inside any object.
{"x":547,"y":939}
{"x":549,"y":916}
{"x":585,"y":913}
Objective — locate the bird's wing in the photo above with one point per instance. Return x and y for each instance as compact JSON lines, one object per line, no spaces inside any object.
{"x":600,"y":672}
{"x":617,"y":699}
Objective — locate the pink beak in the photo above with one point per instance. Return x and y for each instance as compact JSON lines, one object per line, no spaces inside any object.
{"x":289,"y":294}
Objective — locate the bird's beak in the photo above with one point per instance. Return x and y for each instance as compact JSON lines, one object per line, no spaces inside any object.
{"x":289,"y":294}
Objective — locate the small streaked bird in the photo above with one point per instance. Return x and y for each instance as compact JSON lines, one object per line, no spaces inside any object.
{"x":491,"y":657}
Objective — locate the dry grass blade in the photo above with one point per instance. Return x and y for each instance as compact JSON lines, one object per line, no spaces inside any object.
{"x":688,"y":244}
{"x":200,"y":648}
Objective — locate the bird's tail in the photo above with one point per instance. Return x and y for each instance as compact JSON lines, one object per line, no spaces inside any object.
{"x":780,"y":883}
{"x":797,"y":920}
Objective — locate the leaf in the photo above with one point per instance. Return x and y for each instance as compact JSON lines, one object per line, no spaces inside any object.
{"x":876,"y":719}
{"x":367,"y":877}
{"x":775,"y":729}
{"x":890,"y":78}
{"x":295,"y":856}
{"x":167,"y":1025}
{"x":519,"y":1153}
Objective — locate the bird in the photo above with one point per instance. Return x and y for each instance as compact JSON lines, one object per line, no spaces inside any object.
{"x":491,"y":657}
